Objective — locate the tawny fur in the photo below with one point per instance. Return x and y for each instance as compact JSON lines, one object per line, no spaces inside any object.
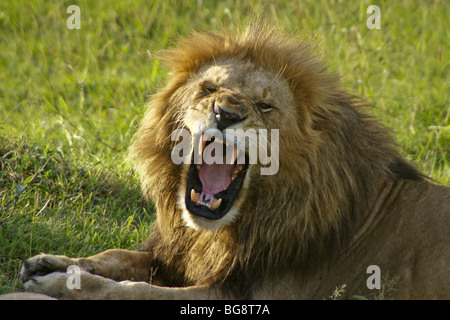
{"x":336,"y":152}
{"x":342,"y":199}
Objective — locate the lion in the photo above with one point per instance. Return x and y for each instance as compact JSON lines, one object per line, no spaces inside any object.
{"x":340,"y":203}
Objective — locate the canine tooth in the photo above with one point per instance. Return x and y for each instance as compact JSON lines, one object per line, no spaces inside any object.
{"x":216,"y":203}
{"x":231,"y":153}
{"x":240,"y":154}
{"x":201,"y":145}
{"x":194,"y":196}
{"x":235,"y":154}
{"x":236,"y":171}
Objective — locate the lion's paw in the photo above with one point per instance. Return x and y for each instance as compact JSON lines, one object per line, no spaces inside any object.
{"x":53,"y":284}
{"x":76,"y":285}
{"x":44,"y":264}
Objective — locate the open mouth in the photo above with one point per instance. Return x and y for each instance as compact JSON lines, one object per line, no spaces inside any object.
{"x":212,"y":186}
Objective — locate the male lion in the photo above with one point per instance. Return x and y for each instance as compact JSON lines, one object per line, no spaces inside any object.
{"x":341,"y":199}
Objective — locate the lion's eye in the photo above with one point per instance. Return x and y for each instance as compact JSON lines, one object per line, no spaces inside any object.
{"x":264,"y":107}
{"x":208,"y":87}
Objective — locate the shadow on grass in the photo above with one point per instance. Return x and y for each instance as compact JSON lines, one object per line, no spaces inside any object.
{"x":56,"y":203}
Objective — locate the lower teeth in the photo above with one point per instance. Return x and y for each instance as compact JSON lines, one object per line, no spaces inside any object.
{"x":216,"y":204}
{"x":195,"y":197}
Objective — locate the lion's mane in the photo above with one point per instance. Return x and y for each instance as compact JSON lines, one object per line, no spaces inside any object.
{"x":331,"y":164}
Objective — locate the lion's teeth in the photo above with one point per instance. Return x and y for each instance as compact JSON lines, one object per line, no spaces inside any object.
{"x":195,"y":196}
{"x":235,"y":154}
{"x":216,"y":203}
{"x":231,"y":153}
{"x":240,"y":156}
{"x":201,"y":145}
{"x":231,"y":158}
{"x":237,"y":171}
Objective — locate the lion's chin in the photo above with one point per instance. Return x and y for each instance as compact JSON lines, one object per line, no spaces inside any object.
{"x":196,"y":222}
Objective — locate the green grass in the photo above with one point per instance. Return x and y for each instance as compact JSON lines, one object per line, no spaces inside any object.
{"x":51,"y":202}
{"x":70,"y":101}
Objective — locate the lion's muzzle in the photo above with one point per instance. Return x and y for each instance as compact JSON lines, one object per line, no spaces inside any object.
{"x":214,"y":183}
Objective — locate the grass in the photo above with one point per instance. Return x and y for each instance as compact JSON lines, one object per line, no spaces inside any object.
{"x":50,"y":202}
{"x":70,"y":101}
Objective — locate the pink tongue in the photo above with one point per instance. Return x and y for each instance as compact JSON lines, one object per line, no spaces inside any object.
{"x":215,"y":178}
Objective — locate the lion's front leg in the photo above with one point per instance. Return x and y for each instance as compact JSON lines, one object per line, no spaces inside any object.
{"x":83,"y":285}
{"x":116,"y":264}
{"x":77,"y":285}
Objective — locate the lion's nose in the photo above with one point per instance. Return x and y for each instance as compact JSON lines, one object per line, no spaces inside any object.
{"x":226,"y":118}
